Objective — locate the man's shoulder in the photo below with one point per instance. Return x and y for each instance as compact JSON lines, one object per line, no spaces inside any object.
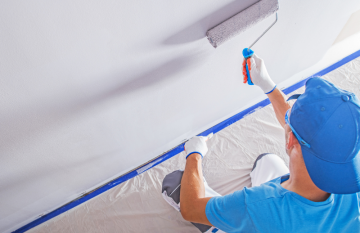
{"x":269,"y":191}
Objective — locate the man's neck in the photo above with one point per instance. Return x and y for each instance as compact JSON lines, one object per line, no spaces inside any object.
{"x":300,"y":182}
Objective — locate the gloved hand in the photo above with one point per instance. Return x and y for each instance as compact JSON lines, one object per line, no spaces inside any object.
{"x":259,"y":74}
{"x":197,"y":144}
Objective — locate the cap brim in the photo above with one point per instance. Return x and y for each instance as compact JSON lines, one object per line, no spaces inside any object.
{"x":294,"y":97}
{"x":338,"y":178}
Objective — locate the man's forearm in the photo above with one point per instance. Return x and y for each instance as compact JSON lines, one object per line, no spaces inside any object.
{"x":278,"y":100}
{"x":192,"y":192}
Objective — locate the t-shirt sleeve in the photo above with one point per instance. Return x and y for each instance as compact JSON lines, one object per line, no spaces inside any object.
{"x":229,"y":213}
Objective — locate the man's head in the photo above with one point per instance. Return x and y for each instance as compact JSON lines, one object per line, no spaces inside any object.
{"x":325,"y":124}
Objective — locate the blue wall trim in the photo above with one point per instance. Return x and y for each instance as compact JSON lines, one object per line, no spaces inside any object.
{"x":179,"y":148}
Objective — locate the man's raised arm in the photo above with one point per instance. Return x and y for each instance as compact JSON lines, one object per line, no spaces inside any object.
{"x":261,"y":78}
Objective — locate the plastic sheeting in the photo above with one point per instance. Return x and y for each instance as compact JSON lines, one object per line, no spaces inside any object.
{"x":137,"y":205}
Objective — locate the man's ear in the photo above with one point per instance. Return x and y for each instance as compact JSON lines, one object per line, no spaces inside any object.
{"x":287,"y":140}
{"x":292,"y":140}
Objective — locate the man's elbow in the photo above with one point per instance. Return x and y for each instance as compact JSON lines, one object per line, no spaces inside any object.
{"x":186,"y":213}
{"x":195,"y":211}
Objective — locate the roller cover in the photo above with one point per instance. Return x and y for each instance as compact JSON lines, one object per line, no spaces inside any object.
{"x":241,"y":21}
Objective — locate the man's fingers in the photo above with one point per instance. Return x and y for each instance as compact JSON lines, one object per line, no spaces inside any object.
{"x":257,"y":60}
{"x":256,"y":57}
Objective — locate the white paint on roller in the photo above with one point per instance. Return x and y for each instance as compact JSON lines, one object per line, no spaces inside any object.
{"x":90,"y":90}
{"x":242,"y":21}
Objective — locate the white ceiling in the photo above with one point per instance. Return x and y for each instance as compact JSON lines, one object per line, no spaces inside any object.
{"x":91,"y":89}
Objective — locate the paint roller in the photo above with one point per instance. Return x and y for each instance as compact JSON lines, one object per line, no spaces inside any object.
{"x":240,"y":22}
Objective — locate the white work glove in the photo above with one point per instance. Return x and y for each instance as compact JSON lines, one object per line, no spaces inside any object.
{"x":197,"y":144}
{"x":259,"y":75}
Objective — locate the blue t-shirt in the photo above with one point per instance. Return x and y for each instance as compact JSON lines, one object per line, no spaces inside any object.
{"x":271,"y":208}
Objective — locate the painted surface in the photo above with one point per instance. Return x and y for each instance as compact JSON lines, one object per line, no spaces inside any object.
{"x":90,"y":90}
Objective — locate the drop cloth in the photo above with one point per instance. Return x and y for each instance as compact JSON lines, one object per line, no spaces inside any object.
{"x":137,"y":205}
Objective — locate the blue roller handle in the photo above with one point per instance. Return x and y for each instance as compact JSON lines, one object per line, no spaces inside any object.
{"x":247,"y":53}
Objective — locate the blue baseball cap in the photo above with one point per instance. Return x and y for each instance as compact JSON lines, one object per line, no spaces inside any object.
{"x":327,"y":119}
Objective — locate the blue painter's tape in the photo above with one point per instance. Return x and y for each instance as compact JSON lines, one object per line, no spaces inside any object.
{"x":323,"y":72}
{"x":179,"y":148}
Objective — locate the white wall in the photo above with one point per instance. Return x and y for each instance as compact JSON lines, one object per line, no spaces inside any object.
{"x":91,"y":89}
